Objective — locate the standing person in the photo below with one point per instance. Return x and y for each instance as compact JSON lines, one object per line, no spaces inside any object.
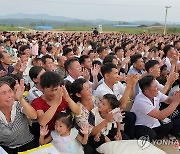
{"x":65,"y":136}
{"x":14,"y":125}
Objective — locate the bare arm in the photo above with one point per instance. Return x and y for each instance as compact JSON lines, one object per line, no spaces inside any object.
{"x":45,"y":117}
{"x":161,"y":115}
{"x":72,"y":105}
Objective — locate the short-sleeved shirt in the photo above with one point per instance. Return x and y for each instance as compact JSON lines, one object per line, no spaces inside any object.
{"x":67,"y":144}
{"x":142,"y":106}
{"x":41,"y":104}
{"x":15,"y":133}
{"x":34,"y":93}
{"x":99,"y":119}
{"x":10,"y":69}
{"x":103,"y":89}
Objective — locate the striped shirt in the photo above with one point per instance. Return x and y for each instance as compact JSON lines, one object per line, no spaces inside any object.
{"x":15,"y":133}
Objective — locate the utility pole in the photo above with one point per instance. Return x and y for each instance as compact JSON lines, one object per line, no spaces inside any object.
{"x":167,"y":7}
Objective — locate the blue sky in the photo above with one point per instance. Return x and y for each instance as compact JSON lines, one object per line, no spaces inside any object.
{"x":121,"y":10}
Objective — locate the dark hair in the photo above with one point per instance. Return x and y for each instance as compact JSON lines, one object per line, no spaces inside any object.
{"x":166,"y":49}
{"x":50,"y":79}
{"x":96,"y":62}
{"x":36,"y":59}
{"x":150,"y":64}
{"x":100,"y":49}
{"x":34,"y":71}
{"x":109,"y":58}
{"x":175,"y":42}
{"x":24,"y":47}
{"x":46,"y":57}
{"x":118,"y":48}
{"x":10,"y":80}
{"x":66,"y":118}
{"x":66,"y":51}
{"x":1,"y":54}
{"x":69,"y":62}
{"x":82,"y":59}
{"x":107,"y":68}
{"x":114,"y":103}
{"x":75,"y":48}
{"x":49,"y":48}
{"x":6,"y":40}
{"x":163,"y":67}
{"x":146,"y":82}
{"x":77,"y":86}
{"x":135,"y":57}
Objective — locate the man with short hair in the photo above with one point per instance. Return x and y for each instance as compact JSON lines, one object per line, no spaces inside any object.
{"x":60,"y":67}
{"x":111,"y":85}
{"x":149,"y":119}
{"x":68,"y":53}
{"x":48,"y":63}
{"x":5,"y":64}
{"x":137,"y":64}
{"x":74,"y":69}
{"x":102,"y":51}
{"x":152,"y":67}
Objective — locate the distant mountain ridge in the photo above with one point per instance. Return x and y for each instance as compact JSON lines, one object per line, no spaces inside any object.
{"x":45,"y":19}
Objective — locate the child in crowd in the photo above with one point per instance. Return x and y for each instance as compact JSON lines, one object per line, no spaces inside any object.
{"x":108,"y":117}
{"x":64,"y":136}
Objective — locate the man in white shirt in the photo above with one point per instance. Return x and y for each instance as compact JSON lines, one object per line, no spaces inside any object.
{"x":152,"y":67}
{"x":170,"y":53}
{"x":74,"y":69}
{"x":111,"y":85}
{"x":149,"y":119}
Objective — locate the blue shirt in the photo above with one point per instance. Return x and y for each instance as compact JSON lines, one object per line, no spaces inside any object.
{"x":10,"y":69}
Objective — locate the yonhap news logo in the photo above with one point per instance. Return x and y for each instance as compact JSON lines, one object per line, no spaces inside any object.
{"x":144,"y":142}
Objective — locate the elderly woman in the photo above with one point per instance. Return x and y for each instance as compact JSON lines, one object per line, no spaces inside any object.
{"x":14,"y":127}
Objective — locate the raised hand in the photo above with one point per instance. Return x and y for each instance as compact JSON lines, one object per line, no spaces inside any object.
{"x":95,"y":70}
{"x":65,"y":93}
{"x":19,"y":89}
{"x":97,"y":137}
{"x":2,"y":73}
{"x":84,"y":129}
{"x":44,"y":130}
{"x":85,"y":73}
{"x":172,"y":77}
{"x":133,"y":79}
{"x":58,"y":96}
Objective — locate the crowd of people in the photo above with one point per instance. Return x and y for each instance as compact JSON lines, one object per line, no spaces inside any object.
{"x":80,"y":90}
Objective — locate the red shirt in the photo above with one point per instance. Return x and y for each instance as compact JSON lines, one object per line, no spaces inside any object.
{"x":40,"y":104}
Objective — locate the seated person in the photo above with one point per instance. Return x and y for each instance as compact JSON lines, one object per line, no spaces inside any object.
{"x":14,"y":125}
{"x":54,"y":100}
{"x":149,"y":119}
{"x":110,"y":129}
{"x":65,"y":136}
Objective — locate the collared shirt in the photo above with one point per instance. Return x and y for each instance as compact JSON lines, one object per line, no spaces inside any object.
{"x":10,"y":69}
{"x":133,"y":70}
{"x":142,"y":106}
{"x":72,"y":80}
{"x":102,"y":89}
{"x":34,"y":93}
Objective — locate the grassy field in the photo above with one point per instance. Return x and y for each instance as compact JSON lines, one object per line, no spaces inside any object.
{"x":138,"y":30}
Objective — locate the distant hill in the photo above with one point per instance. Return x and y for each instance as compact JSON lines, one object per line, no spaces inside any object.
{"x":21,"y":19}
